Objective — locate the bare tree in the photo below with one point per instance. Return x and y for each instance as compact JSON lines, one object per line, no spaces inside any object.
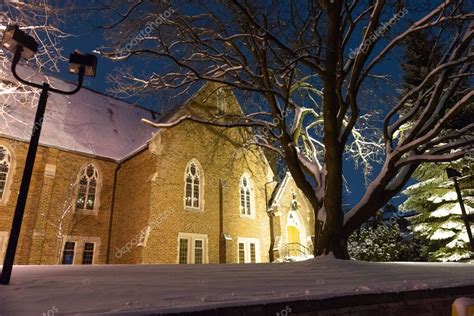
{"x":43,"y":20}
{"x":309,"y":63}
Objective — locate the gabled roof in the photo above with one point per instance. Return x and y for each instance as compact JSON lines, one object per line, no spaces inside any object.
{"x":279,"y":190}
{"x":87,"y":122}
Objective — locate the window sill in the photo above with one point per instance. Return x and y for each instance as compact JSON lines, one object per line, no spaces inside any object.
{"x":87,"y":212}
{"x":193,"y":209}
{"x":252,"y":216}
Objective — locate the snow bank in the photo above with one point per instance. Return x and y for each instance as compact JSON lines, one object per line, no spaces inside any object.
{"x":132,"y":289}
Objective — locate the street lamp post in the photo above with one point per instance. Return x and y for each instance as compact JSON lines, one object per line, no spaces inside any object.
{"x":23,"y":45}
{"x":454,"y":174}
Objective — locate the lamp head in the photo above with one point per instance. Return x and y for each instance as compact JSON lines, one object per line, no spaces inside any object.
{"x":13,"y":38}
{"x":452,"y":173}
{"x":78,"y":60}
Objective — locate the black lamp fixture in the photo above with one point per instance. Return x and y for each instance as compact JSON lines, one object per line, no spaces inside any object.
{"x":78,"y":60}
{"x":14,"y":37}
{"x":452,"y":173}
{"x":23,"y":45}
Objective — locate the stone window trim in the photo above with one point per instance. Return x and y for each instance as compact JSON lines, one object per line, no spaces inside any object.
{"x":199,"y":176}
{"x":10,"y":161}
{"x":191,"y":247}
{"x":248,"y":199}
{"x":3,"y":244}
{"x":80,"y":242}
{"x":98,"y":189}
{"x":221,"y":102}
{"x":247,"y":243}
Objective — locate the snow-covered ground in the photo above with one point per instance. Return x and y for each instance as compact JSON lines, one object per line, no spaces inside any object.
{"x":54,"y":290}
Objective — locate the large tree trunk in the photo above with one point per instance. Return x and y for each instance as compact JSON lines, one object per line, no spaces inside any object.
{"x":332,"y":239}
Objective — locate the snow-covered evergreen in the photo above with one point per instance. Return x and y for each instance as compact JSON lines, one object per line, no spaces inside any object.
{"x":376,"y":244}
{"x":439,"y":219}
{"x":384,"y":242}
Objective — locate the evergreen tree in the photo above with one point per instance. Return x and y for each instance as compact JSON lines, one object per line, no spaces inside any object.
{"x":382,"y":240}
{"x":439,"y":220}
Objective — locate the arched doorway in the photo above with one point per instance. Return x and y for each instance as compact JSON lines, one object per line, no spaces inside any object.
{"x":295,"y":231}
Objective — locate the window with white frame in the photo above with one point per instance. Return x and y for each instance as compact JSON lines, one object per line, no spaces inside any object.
{"x":87,"y":191}
{"x":193,"y":186}
{"x":246,"y":204}
{"x":248,"y":250}
{"x":79,"y":250}
{"x":192,"y":248}
{"x":5,"y":169}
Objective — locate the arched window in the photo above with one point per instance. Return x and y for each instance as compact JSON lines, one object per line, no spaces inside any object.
{"x":245,"y":196}
{"x":5,"y":168}
{"x":193,"y":186}
{"x":87,"y":191}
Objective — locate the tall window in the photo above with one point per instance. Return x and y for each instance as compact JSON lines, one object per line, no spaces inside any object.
{"x":68,"y":252}
{"x":193,"y":186}
{"x":183,"y":250}
{"x":241,"y":252}
{"x":5,"y":166}
{"x":87,"y":189}
{"x":88,"y":254}
{"x":198,"y":251}
{"x":245,"y":196}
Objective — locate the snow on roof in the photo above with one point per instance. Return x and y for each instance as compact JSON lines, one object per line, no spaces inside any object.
{"x":86,"y":122}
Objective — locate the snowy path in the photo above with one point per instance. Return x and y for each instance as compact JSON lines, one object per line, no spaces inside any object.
{"x":158,"y":288}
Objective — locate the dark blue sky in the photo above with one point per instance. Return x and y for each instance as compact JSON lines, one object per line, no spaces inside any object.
{"x":87,"y":38}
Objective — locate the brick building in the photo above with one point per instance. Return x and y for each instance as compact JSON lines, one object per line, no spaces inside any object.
{"x":107,"y":188}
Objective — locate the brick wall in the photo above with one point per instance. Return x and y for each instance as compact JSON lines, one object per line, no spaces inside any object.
{"x":149,"y":193}
{"x":50,"y":210}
